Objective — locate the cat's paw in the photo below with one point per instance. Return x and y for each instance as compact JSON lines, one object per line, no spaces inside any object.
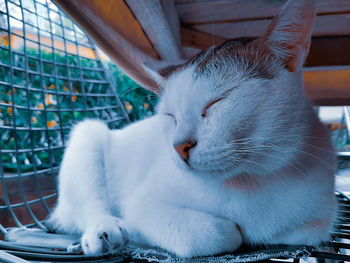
{"x":217,"y":235}
{"x":110,"y":235}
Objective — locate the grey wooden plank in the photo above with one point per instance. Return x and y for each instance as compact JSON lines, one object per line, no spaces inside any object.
{"x":197,"y":12}
{"x":160,"y":22}
{"x":327,"y":25}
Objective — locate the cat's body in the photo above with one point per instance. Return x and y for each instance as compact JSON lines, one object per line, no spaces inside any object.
{"x":235,"y":153}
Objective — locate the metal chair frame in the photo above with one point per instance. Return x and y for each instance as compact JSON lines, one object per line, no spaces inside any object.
{"x":72,"y":78}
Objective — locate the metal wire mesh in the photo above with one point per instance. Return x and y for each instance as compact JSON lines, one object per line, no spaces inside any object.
{"x":50,"y":78}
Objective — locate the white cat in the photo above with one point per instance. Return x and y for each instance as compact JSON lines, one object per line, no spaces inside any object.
{"x":234,"y":154}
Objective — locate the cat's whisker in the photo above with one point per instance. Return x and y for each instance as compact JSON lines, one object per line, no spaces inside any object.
{"x":260,"y":165}
{"x":306,"y":153}
{"x":275,"y":147}
{"x":283,"y":160}
{"x":286,"y":140}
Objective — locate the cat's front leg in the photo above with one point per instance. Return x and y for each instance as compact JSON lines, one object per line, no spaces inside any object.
{"x":84,"y":204}
{"x":185,"y":232}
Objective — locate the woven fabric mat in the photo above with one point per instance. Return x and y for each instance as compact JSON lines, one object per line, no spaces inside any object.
{"x":280,"y":251}
{"x":40,"y":242}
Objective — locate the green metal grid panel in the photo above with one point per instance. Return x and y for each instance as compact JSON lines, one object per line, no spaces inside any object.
{"x":50,"y":78}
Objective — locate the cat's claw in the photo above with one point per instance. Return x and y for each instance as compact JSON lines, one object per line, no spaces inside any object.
{"x":108,"y":236}
{"x":75,"y":247}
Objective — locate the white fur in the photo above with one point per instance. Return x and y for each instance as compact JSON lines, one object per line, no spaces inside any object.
{"x":132,"y":180}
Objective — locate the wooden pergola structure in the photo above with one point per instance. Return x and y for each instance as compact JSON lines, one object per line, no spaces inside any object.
{"x":166,"y":32}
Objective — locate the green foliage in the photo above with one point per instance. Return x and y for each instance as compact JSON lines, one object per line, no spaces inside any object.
{"x":138,"y":102}
{"x":54,"y":103}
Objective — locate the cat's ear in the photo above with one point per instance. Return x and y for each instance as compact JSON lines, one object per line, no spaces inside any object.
{"x":154,"y":74}
{"x":161,"y":75}
{"x":289,"y":34}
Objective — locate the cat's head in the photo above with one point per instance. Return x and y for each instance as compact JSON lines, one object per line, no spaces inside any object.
{"x":240,"y":107}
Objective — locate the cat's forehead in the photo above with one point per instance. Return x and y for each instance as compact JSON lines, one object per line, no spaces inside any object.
{"x":221,"y":68}
{"x":187,"y":88}
{"x":233,"y":60}
{"x":185,"y":83}
{"x":248,"y":57}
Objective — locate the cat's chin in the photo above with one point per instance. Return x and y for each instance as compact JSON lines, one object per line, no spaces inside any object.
{"x":183,"y":165}
{"x":214,"y":173}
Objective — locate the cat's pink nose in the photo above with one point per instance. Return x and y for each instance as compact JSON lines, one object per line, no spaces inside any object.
{"x":184,"y":149}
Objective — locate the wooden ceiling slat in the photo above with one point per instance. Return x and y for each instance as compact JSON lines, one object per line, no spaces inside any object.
{"x":177,"y":2}
{"x":199,"y":12}
{"x":161,"y":24}
{"x":327,"y":25}
{"x":226,"y":10}
{"x":328,"y":51}
{"x":324,"y":51}
{"x":120,"y":36}
{"x":173,"y":18}
{"x":124,"y":23}
{"x":332,"y":25}
{"x":190,"y":51}
{"x":196,"y":39}
{"x":328,"y":85}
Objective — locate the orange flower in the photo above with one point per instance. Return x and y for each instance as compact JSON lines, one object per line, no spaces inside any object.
{"x":128,"y":106}
{"x":52,"y":87}
{"x":34,"y":119}
{"x":9,"y":93}
{"x":15,"y":91}
{"x":146,"y":105}
{"x":74,"y":98}
{"x":65,"y":89}
{"x":49,"y":99}
{"x":41,"y":106}
{"x":51,"y":124}
{"x":10,"y":111}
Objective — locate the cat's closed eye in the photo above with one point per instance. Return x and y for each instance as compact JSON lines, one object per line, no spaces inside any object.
{"x":204,"y":114}
{"x":172,"y":116}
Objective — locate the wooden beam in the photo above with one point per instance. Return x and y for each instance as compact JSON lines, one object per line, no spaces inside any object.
{"x":120,"y":36}
{"x":327,"y":25}
{"x":161,"y":24}
{"x":328,"y":85}
{"x":199,"y":40}
{"x":189,"y":52}
{"x":329,"y":51}
{"x":332,"y":102}
{"x":324,"y":51}
{"x":193,"y":12}
{"x":170,"y":13}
